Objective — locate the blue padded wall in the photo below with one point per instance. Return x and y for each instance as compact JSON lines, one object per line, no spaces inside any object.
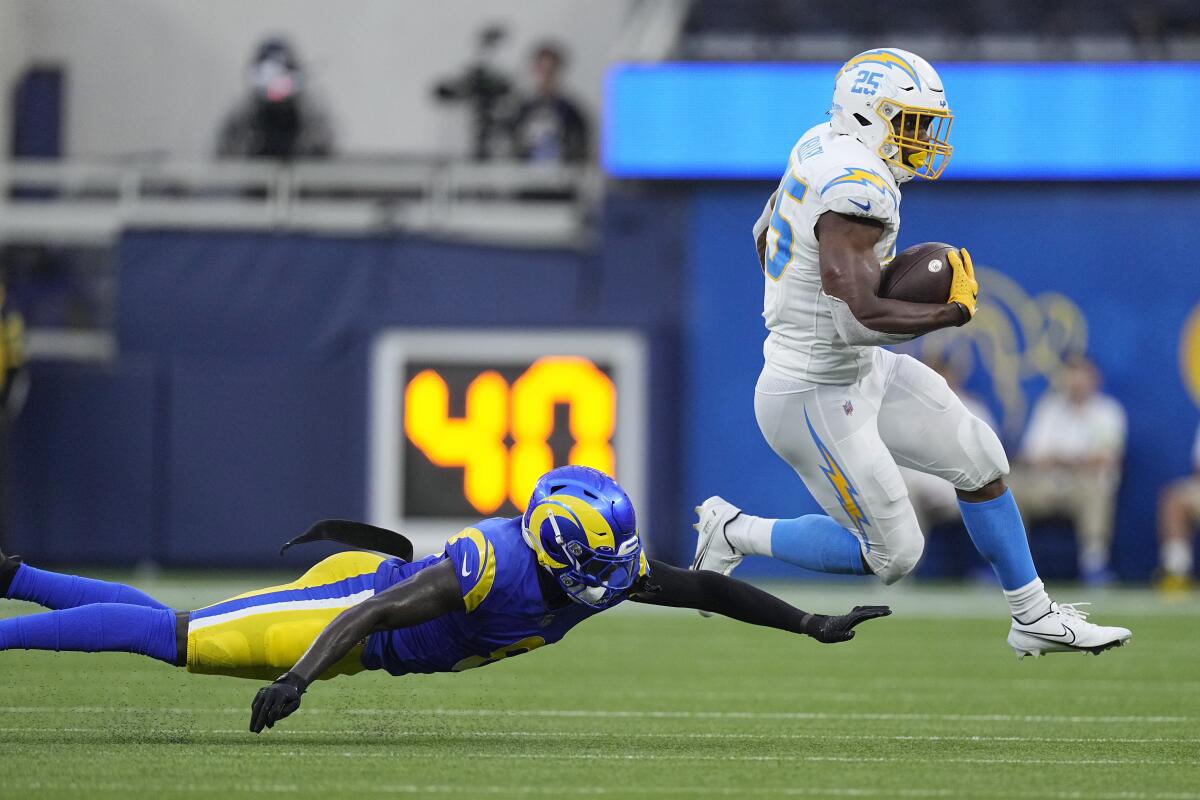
{"x":83,"y":474}
{"x":1116,"y":250}
{"x":250,"y":352}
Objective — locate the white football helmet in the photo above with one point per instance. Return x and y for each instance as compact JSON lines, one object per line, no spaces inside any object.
{"x":893,"y":102}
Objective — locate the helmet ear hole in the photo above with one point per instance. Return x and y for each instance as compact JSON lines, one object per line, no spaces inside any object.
{"x":862,"y":120}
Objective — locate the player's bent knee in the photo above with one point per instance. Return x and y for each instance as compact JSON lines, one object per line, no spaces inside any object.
{"x":901,"y":561}
{"x":899,"y":556}
{"x":223,"y":653}
{"x":985,"y":457}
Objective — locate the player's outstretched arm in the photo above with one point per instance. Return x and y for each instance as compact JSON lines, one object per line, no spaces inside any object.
{"x":426,"y":595}
{"x":711,"y":591}
{"x":850,"y":273}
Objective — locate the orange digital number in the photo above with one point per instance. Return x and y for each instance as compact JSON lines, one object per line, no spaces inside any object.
{"x":476,"y":440}
{"x":592,"y":398}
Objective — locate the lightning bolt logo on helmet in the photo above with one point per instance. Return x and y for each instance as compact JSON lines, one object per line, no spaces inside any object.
{"x":891,"y":59}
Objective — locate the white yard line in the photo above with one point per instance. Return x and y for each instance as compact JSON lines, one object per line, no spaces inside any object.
{"x":905,"y":759}
{"x":746,"y":759}
{"x":638,"y":714}
{"x":619,"y":791}
{"x":765,"y":737}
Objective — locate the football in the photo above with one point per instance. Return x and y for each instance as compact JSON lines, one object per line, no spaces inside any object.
{"x":920,"y":274}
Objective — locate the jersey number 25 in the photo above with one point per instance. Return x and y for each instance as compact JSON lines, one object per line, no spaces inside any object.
{"x":781,"y":240}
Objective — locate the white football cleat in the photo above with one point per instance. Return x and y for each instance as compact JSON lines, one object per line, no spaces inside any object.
{"x":1064,"y":629}
{"x":713,"y":550}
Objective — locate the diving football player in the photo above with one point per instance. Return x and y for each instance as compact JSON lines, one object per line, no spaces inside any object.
{"x":837,"y":406}
{"x":500,"y":589}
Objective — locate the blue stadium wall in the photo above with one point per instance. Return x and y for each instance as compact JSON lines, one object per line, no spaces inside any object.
{"x":1119,"y":255}
{"x":237,"y":413}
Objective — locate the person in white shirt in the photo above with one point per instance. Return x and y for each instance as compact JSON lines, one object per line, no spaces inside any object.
{"x":1178,"y":513}
{"x":1070,"y":462}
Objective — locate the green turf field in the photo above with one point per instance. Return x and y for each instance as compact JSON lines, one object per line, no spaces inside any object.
{"x":929,"y":703}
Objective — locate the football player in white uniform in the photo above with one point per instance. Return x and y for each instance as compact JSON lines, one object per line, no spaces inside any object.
{"x":843,"y":411}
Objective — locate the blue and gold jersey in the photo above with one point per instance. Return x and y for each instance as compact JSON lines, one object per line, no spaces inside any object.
{"x":506,"y":614}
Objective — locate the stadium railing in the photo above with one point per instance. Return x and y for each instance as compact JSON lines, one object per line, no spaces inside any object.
{"x":90,"y":202}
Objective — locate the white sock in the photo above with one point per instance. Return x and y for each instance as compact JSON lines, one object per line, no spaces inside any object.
{"x":1093,"y":558}
{"x":750,"y":535}
{"x":1176,"y":557}
{"x":1028,"y":602}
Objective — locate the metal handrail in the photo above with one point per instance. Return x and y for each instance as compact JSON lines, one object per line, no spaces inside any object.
{"x":93,"y":200}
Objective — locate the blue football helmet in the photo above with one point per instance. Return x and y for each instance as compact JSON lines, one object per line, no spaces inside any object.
{"x":582,"y":527}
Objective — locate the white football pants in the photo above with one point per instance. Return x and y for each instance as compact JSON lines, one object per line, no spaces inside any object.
{"x":846,"y":441}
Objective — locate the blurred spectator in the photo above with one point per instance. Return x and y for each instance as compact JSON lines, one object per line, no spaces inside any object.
{"x":278,"y":117}
{"x":548,"y":126}
{"x":1070,"y":462}
{"x":933,"y":498}
{"x":13,"y":388}
{"x":1178,"y":511}
{"x":60,"y":286}
{"x":484,"y":88}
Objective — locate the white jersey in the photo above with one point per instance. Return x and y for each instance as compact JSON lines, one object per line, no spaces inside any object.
{"x":827,"y":171}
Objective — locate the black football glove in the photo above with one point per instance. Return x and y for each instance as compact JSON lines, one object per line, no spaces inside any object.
{"x":274,"y":702}
{"x":831,"y":630}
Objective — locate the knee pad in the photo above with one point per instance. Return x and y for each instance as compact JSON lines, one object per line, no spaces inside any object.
{"x":986,"y":460}
{"x":902,"y":561}
{"x":218,"y":653}
{"x":900,"y":556}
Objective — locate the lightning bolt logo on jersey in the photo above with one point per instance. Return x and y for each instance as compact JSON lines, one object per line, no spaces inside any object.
{"x":847,"y":495}
{"x":865,"y":177}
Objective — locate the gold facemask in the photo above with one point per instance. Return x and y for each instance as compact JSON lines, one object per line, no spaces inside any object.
{"x":919,"y":141}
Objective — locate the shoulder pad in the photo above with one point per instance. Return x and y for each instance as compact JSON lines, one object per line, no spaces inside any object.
{"x":474,"y":559}
{"x":858,"y":191}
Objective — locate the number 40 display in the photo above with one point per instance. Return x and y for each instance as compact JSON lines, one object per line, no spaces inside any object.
{"x":476,"y":441}
{"x":464,"y":421}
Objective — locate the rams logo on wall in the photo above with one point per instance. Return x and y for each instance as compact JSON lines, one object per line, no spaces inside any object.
{"x":1189,"y":355}
{"x":1017,"y":340}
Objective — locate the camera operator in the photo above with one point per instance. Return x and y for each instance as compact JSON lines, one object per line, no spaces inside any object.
{"x":484,"y":88}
